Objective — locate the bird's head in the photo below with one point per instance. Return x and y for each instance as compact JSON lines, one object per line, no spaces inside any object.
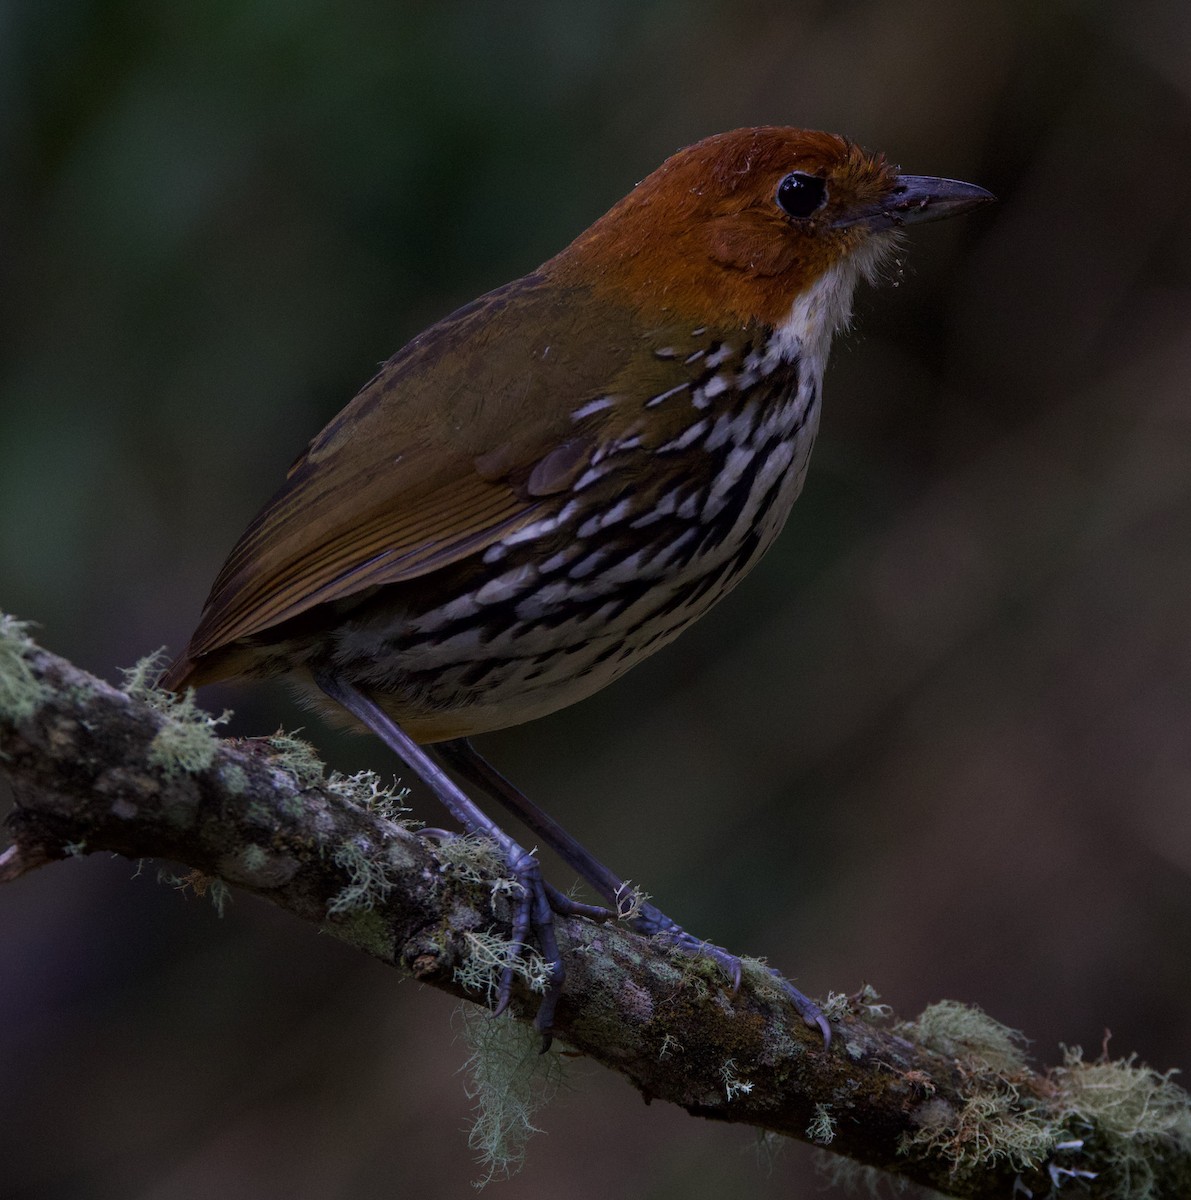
{"x":736,"y":227}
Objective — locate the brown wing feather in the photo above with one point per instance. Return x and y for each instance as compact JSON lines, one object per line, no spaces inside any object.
{"x":278,"y":577}
{"x":401,"y":482}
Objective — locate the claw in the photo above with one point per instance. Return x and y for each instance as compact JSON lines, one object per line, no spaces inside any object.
{"x":654,"y":923}
{"x":533,"y":917}
{"x":504,"y":993}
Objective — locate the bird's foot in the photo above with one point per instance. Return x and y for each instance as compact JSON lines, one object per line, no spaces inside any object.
{"x":533,"y":914}
{"x":535,"y":904}
{"x":652,"y":922}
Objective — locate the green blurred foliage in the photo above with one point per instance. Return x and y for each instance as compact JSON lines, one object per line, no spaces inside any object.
{"x":938,"y":741}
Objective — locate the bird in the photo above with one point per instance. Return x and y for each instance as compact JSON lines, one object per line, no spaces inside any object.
{"x":553,"y":482}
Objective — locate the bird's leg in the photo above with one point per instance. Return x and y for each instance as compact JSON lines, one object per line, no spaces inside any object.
{"x":463,"y":757}
{"x":647,"y":919}
{"x":538,"y":902}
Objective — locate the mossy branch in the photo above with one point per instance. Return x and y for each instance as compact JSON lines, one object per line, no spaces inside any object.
{"x":948,"y":1100}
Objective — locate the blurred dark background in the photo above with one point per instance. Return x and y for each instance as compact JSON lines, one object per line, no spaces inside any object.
{"x":939,"y":740}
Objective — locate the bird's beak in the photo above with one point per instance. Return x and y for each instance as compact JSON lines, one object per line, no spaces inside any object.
{"x":916,"y":198}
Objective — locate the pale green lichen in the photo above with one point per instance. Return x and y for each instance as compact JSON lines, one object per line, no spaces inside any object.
{"x":476,"y":860}
{"x":1119,"y":1123}
{"x":994,"y":1126}
{"x":368,"y":883}
{"x":509,"y":1079}
{"x":995,"y":1123}
{"x":297,"y":757}
{"x":967,"y":1033}
{"x":835,"y":1007}
{"x":140,"y":681}
{"x":700,"y":973}
{"x":489,"y":956}
{"x":364,"y":789}
{"x":630,"y":901}
{"x":1124,"y":1118}
{"x":733,"y":1085}
{"x":1131,"y":1114}
{"x":186,"y":742}
{"x":867,"y":1002}
{"x":21,"y":693}
{"x":1136,"y":1116}
{"x":821,"y":1129}
{"x":471,"y":858}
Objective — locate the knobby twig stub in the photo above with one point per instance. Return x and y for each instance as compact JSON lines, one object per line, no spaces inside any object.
{"x":948,"y":1100}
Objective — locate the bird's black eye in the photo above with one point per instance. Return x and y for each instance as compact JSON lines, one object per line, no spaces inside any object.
{"x":801,"y":195}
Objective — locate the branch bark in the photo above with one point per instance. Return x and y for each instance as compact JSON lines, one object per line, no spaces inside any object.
{"x":947,"y":1101}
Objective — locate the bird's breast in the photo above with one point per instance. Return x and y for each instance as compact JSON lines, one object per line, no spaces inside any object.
{"x":645,"y":540}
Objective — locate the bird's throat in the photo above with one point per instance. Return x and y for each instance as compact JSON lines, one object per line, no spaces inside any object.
{"x":825,"y":306}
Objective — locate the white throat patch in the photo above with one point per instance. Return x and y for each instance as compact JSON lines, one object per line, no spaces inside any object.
{"x":826,"y":306}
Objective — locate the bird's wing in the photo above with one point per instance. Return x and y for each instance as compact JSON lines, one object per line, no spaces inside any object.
{"x":423,"y":467}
